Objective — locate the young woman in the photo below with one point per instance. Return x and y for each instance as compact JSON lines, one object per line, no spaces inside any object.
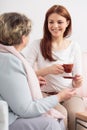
{"x":51,"y":52}
{"x":19,"y":86}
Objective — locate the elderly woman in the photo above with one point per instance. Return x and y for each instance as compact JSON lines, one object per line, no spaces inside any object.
{"x":19,"y":86}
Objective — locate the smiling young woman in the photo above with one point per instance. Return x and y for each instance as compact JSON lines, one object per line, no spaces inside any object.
{"x":52,"y":51}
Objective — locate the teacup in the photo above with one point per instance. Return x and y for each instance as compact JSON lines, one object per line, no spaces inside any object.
{"x":68,"y":68}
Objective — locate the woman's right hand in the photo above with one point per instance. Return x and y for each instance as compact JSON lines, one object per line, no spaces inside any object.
{"x":66,"y":94}
{"x":56,"y":69}
{"x":53,"y":69}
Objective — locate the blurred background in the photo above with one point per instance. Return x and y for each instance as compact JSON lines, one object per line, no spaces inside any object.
{"x":36,"y":10}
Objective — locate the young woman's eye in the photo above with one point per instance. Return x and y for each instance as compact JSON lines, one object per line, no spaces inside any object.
{"x":60,"y":22}
{"x":50,"y":22}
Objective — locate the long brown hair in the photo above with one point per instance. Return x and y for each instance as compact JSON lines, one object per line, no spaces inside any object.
{"x":45,"y":45}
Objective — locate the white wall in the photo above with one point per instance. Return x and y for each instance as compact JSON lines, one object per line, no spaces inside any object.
{"x":36,"y":9}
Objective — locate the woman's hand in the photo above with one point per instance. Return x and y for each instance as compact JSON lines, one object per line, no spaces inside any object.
{"x":66,"y":94}
{"x":42,"y":80}
{"x":53,"y":69}
{"x":56,"y":69}
{"x":77,"y":81}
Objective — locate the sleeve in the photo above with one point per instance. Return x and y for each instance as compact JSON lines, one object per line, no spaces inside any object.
{"x":77,"y":60}
{"x":18,"y":96}
{"x":31,"y":52}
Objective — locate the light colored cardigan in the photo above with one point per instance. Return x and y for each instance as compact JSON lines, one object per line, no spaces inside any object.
{"x":15,"y":91}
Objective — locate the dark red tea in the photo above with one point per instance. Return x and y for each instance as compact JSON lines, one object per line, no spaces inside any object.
{"x":68,"y":68}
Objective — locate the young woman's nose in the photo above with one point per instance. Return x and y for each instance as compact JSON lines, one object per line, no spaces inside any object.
{"x":55,"y":25}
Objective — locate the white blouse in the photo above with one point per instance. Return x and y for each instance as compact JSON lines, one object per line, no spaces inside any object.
{"x":72,"y":54}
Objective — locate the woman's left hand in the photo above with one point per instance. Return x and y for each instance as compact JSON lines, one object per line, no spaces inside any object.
{"x":77,"y":81}
{"x":42,"y":80}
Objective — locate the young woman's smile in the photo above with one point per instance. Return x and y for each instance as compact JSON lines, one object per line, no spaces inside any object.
{"x":57,"y":24}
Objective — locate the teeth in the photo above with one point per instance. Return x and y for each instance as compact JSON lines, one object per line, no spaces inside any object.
{"x":55,"y":30}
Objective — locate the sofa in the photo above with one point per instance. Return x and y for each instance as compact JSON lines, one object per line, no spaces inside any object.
{"x":81,"y":117}
{"x":3,"y":115}
{"x":83,"y":90}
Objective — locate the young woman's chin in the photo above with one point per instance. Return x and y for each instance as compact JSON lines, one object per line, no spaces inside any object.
{"x":56,"y":35}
